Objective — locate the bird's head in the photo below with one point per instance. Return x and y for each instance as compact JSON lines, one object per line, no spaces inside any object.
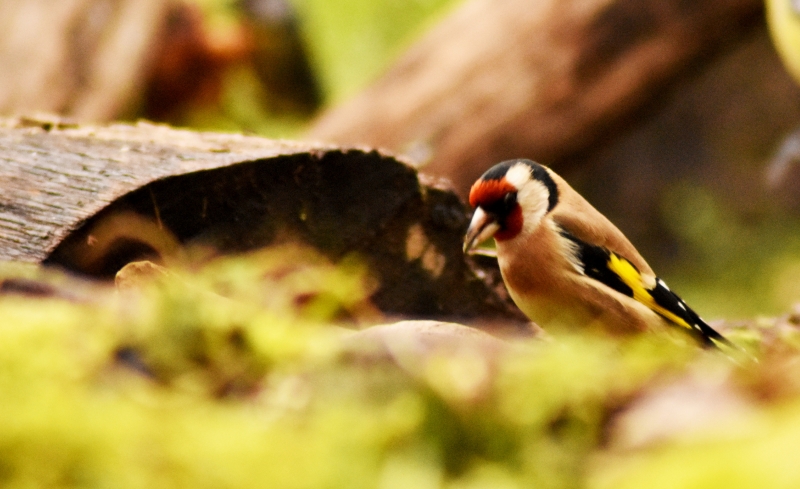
{"x":511,"y":198}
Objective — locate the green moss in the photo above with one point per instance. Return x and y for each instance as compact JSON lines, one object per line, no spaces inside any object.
{"x":222,"y":377}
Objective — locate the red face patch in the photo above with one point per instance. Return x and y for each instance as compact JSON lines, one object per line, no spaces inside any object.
{"x":491,"y":195}
{"x":484,"y":192}
{"x":511,"y":226}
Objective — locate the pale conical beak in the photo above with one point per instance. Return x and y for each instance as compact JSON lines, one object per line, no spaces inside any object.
{"x":482,"y":227}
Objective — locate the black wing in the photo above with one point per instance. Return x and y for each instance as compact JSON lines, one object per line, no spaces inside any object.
{"x":618,"y":273}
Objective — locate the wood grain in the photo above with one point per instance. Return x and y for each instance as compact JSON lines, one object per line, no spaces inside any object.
{"x":92,"y":199}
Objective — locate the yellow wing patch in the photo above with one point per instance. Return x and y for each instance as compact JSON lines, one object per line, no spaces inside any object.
{"x":633,"y":279}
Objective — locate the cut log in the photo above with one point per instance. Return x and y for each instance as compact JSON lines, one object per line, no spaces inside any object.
{"x":92,"y":199}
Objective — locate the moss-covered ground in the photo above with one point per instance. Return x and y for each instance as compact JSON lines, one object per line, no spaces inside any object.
{"x":233,"y":375}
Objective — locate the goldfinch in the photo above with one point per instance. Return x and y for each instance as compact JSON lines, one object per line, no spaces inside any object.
{"x":564,"y":263}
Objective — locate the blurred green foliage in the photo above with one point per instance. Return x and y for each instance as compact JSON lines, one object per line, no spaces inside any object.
{"x":228,"y":375}
{"x":732,"y":265}
{"x":349,"y":43}
{"x":242,"y":107}
{"x":352,"y":41}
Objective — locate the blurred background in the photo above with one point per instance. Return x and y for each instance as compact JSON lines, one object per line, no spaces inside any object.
{"x":673,"y":119}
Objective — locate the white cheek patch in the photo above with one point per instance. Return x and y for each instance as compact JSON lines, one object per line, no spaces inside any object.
{"x":571,"y":249}
{"x":518,"y":175}
{"x":534,"y":200}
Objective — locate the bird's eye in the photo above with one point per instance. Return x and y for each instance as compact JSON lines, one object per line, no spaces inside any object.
{"x":509,"y":200}
{"x":502,"y":206}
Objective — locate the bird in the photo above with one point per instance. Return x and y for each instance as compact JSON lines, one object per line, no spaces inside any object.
{"x":565,"y":264}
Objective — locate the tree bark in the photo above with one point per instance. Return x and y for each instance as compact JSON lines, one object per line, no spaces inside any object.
{"x":92,"y":199}
{"x":513,"y":78}
{"x":55,"y":176}
{"x":86,"y":59}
